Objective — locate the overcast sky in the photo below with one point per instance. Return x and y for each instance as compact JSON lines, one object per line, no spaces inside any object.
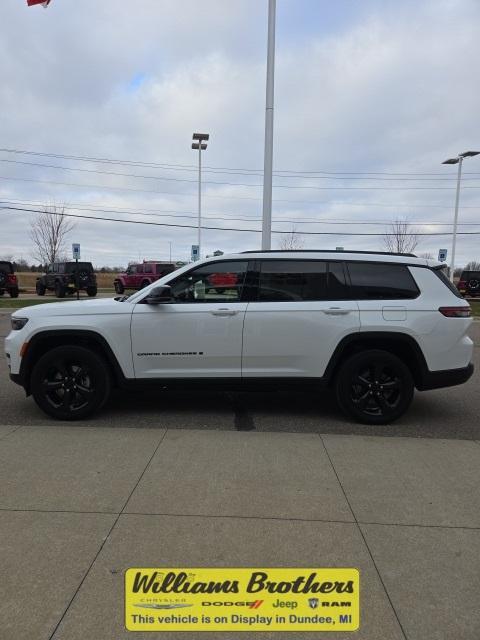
{"x":377,"y":86}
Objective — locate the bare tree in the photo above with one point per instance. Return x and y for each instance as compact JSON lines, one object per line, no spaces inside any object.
{"x":292,"y":241}
{"x":48,"y":233}
{"x":399,"y":237}
{"x":473,"y":265}
{"x":427,"y":255}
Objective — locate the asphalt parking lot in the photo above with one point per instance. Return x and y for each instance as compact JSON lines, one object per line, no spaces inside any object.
{"x":175,"y":479}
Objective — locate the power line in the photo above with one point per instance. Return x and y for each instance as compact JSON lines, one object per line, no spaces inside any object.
{"x":189,"y":167}
{"x":174,"y":213}
{"x":110,"y":188}
{"x":150,"y":177}
{"x":165,"y":224}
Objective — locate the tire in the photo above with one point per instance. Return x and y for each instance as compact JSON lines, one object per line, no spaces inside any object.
{"x":59,"y":290}
{"x":40,"y":289}
{"x":2,"y":292}
{"x":91,"y":292}
{"x":14,"y":293}
{"x":119,"y":288}
{"x":144,"y":284}
{"x":374,"y":387}
{"x":77,"y":367}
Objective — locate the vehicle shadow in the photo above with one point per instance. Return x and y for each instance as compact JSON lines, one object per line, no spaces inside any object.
{"x":436,"y":414}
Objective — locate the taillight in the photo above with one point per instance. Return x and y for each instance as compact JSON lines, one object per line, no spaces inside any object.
{"x":462,"y":284}
{"x":456,"y":312}
{"x":12,"y":278}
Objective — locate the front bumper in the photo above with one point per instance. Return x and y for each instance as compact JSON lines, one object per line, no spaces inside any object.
{"x":445,"y":378}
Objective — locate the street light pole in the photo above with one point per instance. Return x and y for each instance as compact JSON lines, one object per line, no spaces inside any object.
{"x":201,"y":146}
{"x":455,"y":219}
{"x":268,"y":154}
{"x":458,"y":160}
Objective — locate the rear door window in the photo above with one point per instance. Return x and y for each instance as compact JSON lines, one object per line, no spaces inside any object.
{"x":301,"y":280}
{"x":381,"y":281}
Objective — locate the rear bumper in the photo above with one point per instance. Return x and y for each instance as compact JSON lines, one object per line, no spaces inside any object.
{"x":445,"y":378}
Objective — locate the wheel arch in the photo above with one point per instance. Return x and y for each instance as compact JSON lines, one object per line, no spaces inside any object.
{"x":41,"y":342}
{"x":402,"y":345}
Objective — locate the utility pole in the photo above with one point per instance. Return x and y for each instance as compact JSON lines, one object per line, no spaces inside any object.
{"x":268,"y":153}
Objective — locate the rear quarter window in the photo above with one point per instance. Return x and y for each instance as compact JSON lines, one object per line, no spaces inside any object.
{"x":381,"y":281}
{"x":441,"y":275}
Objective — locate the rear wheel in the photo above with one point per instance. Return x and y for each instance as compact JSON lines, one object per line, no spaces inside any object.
{"x":59,"y":290}
{"x":374,"y":387}
{"x":40,"y":289}
{"x":119,"y":288}
{"x":14,"y":293}
{"x":91,"y":292}
{"x":144,"y":284}
{"x":70,"y":382}
{"x":2,"y":292}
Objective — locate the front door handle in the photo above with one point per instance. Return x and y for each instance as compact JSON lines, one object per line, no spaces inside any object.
{"x":224,"y":312}
{"x":336,"y":311}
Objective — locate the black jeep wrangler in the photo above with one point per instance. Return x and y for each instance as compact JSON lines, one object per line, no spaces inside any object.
{"x":469,"y":283}
{"x":68,"y":277}
{"x":8,"y":280}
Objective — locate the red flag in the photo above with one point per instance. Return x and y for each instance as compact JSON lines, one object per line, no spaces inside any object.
{"x":30,"y":3}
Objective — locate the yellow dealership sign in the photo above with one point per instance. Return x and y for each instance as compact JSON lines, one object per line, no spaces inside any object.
{"x":165,"y":599}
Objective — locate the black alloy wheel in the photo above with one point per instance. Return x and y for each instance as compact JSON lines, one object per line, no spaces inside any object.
{"x":70,"y":382}
{"x":374,"y":387}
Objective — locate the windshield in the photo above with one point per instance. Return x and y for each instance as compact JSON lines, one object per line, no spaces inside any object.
{"x":82,"y":266}
{"x":6,"y":266}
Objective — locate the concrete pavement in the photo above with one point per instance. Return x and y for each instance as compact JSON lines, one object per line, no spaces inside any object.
{"x":80,"y":505}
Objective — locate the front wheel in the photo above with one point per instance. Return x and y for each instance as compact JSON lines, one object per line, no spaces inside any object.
{"x":70,"y":382}
{"x":91,"y":292}
{"x":374,"y":387}
{"x":40,"y":289}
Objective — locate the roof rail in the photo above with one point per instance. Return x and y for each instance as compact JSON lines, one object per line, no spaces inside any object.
{"x":379,"y":253}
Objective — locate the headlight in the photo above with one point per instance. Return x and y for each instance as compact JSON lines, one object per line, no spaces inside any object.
{"x":18,"y":323}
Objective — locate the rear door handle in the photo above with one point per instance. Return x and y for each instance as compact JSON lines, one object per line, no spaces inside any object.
{"x":336,"y":311}
{"x":224,"y":312}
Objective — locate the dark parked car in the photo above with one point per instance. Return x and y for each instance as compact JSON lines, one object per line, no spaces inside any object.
{"x":469,"y":283}
{"x":68,"y":277}
{"x":8,"y":280}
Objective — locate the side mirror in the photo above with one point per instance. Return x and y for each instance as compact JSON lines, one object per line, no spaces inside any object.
{"x":159,"y":295}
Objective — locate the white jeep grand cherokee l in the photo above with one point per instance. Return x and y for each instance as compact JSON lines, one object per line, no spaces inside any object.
{"x":371,"y":326}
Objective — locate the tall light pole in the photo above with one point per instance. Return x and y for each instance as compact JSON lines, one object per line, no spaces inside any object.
{"x":268,"y":154}
{"x":458,"y":160}
{"x":201,"y":145}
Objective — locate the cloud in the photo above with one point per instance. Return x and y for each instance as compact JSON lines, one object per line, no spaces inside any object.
{"x":385,"y":87}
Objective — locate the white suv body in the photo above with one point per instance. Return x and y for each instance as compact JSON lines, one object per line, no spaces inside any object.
{"x":280,"y":317}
